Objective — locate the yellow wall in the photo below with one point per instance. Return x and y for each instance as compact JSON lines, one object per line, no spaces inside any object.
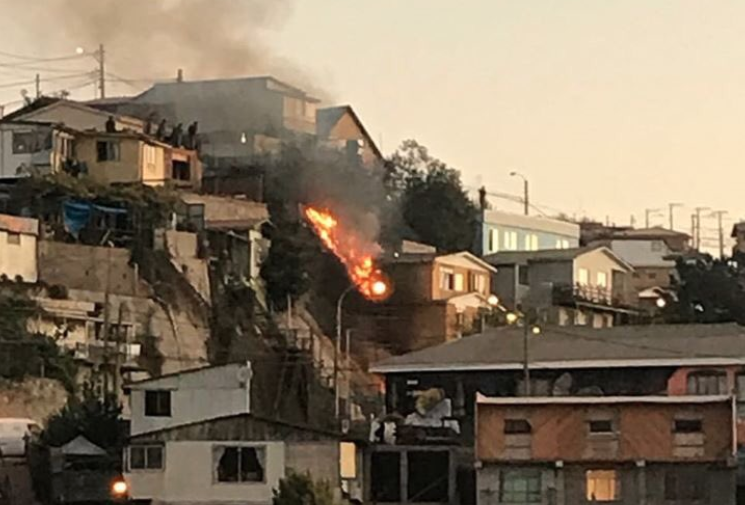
{"x":131,"y":166}
{"x":346,"y":129}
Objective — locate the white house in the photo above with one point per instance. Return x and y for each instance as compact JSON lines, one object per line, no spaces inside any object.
{"x":18,"y":252}
{"x":28,"y":147}
{"x":195,"y":439}
{"x":73,"y":115}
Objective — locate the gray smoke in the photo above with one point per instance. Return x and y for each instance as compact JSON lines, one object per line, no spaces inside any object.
{"x":151,"y":39}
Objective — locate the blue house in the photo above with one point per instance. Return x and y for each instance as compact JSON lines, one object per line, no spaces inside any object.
{"x":503,"y":231}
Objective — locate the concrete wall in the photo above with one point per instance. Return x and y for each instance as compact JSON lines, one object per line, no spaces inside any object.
{"x":189,"y":475}
{"x":182,"y":248}
{"x":196,"y":396}
{"x":19,"y":260}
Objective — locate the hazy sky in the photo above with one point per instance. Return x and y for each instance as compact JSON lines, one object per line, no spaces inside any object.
{"x":609,"y":107}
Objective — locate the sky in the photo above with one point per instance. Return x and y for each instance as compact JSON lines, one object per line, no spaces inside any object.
{"x":607,"y":107}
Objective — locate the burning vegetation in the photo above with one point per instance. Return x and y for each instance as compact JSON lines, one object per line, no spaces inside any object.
{"x":356,"y":254}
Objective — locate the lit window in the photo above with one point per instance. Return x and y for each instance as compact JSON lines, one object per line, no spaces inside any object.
{"x":510,"y":240}
{"x":494,"y":240}
{"x":520,"y":486}
{"x":145,"y":457}
{"x":584,"y":276}
{"x":602,"y":485}
{"x":447,"y":280}
{"x":239,"y":464}
{"x":534,"y":242}
{"x":602,"y":280}
{"x":458,"y":284}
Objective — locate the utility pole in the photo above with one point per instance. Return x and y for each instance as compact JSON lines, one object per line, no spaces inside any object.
{"x":526,"y":358}
{"x":720,"y":228}
{"x":647,"y":214}
{"x":526,"y":191}
{"x":671,"y":213}
{"x":106,"y":325}
{"x":693,"y":229}
{"x":698,"y":225}
{"x":38,"y":86}
{"x":101,"y":71}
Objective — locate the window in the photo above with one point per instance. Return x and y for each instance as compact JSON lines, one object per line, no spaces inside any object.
{"x":601,"y":426}
{"x":107,"y":150}
{"x":687,"y":426}
{"x":510,"y":240}
{"x":14,"y":238}
{"x":584,"y":276}
{"x":681,"y":485}
{"x":447,"y":280}
{"x":707,"y":383}
{"x":522,"y":275}
{"x":146,"y":457}
{"x":458,"y":284}
{"x":478,"y":283}
{"x":516,"y":426}
{"x":31,"y":142}
{"x":602,"y":280}
{"x":651,"y":275}
{"x":494,"y":240}
{"x":158,"y":403}
{"x":534,"y":242}
{"x":348,"y":460}
{"x":656,"y":246}
{"x":562,"y":243}
{"x":149,"y":153}
{"x":239,"y":464}
{"x":520,"y":486}
{"x":602,"y":485}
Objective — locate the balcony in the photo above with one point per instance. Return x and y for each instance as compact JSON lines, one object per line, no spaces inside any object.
{"x":597,"y":296}
{"x":99,"y":352}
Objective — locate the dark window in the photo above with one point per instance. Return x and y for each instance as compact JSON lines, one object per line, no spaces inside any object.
{"x":14,"y":238}
{"x":604,"y":426}
{"x":681,"y":485}
{"x":687,"y":426}
{"x":707,"y":383}
{"x":385,"y":477}
{"x":158,"y":403}
{"x":239,"y":464}
{"x":181,"y":171}
{"x":516,"y":426}
{"x":520,"y":486}
{"x":652,"y":275}
{"x":522,"y":275}
{"x":146,"y":457}
{"x":30,"y":142}
{"x":428,"y":478}
{"x":107,"y":150}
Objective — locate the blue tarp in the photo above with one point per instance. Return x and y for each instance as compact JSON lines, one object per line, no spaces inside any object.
{"x":76,"y":215}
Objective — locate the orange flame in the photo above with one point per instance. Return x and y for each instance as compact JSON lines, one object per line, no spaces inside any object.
{"x":356,"y":254}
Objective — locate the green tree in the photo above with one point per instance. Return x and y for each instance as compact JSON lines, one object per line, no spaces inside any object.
{"x":709,"y":291}
{"x":97,"y":419}
{"x":301,"y":489}
{"x":434,"y":205}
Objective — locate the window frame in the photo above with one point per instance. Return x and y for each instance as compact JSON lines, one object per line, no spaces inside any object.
{"x":159,"y":395}
{"x":261,"y":455}
{"x":533,"y":488}
{"x":601,"y":475}
{"x":517,"y":426}
{"x":687,"y":425}
{"x":146,"y":457}
{"x":702,"y":380}
{"x":593,"y":424}
{"x":112,"y":153}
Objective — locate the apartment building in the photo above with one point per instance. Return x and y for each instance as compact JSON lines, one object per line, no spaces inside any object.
{"x":500,"y":231}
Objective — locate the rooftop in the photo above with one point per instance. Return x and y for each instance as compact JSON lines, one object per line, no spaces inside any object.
{"x":535,"y":223}
{"x":548,"y":255}
{"x":603,"y":400}
{"x":580,"y":347}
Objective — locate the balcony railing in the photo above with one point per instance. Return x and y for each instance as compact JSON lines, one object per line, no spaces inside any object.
{"x":568,"y":294}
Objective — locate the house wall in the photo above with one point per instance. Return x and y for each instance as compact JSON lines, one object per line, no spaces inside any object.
{"x":156,"y":170}
{"x":189,"y":475}
{"x":127,"y":169}
{"x":542,"y":232}
{"x":458,"y":266}
{"x":347,"y":129}
{"x":649,"y":277}
{"x":19,"y":260}
{"x":596,"y":262}
{"x":10,"y":163}
{"x":643,"y":431}
{"x":412,"y":282}
{"x":637,"y":484}
{"x":320,"y":459}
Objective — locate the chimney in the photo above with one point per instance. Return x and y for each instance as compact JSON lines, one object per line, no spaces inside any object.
{"x":180,"y":75}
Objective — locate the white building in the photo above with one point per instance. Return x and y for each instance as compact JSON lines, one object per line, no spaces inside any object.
{"x":195,"y":439}
{"x":18,"y":252}
{"x":28,"y":147}
{"x":72,"y":114}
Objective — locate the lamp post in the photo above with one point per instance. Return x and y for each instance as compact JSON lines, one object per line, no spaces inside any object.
{"x":526,"y":194}
{"x":512,"y":318}
{"x":337,"y":349}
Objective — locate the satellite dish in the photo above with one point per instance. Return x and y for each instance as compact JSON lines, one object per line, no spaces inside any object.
{"x":244,"y":374}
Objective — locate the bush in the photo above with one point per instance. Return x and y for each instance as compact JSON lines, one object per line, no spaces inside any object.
{"x":301,"y":489}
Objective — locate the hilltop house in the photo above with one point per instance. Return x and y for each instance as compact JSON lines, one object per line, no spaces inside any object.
{"x":74,"y":115}
{"x":436,"y":298}
{"x":340,"y":128}
{"x":500,"y":231}
{"x":28,"y":147}
{"x":588,"y":286}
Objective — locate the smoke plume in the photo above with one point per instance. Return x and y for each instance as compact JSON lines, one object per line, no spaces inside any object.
{"x":151,"y":39}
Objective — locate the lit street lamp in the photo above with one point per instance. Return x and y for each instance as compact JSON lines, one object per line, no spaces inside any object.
{"x":512,"y":318}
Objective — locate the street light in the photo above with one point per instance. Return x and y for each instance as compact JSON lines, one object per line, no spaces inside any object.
{"x":337,"y":348}
{"x":512,"y":318}
{"x":526,"y":199}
